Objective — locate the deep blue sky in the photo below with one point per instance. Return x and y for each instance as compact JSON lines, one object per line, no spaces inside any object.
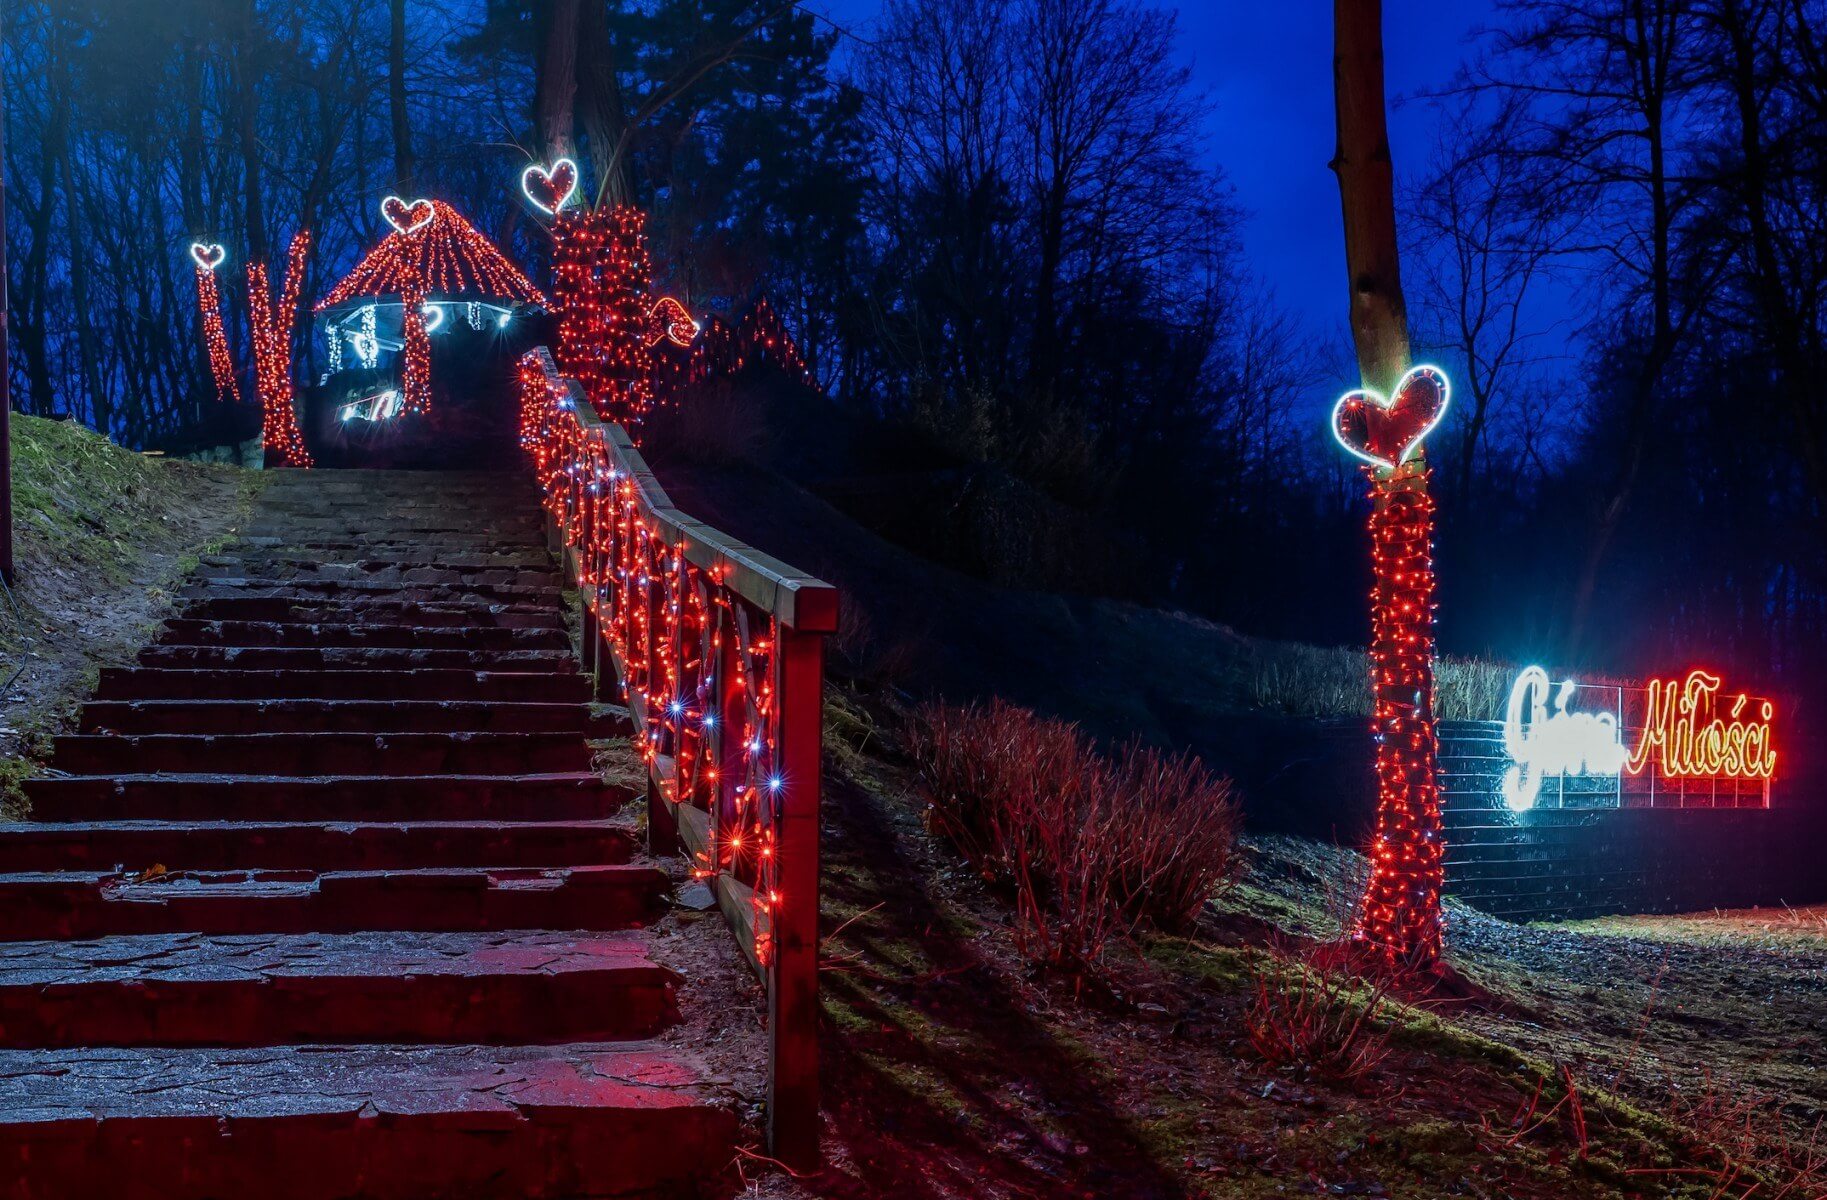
{"x":1268,"y":69}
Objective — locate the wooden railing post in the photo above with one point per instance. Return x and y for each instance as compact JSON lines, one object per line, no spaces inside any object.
{"x":793,"y":1124}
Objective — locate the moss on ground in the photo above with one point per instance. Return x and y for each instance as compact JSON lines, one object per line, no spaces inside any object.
{"x":103,"y":536}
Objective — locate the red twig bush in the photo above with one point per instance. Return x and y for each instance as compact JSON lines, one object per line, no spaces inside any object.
{"x":1094,"y":845}
{"x":1314,"y":1009}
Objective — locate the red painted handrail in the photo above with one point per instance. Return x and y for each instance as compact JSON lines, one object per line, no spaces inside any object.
{"x":718,"y":651}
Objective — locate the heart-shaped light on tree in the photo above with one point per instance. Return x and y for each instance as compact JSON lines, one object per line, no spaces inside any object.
{"x":407,"y":216}
{"x":550,"y":189}
{"x":1385,"y":432}
{"x":207,"y":255}
{"x":1399,"y":919}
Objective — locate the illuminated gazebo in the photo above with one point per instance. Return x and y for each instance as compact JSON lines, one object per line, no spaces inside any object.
{"x":435,"y":271}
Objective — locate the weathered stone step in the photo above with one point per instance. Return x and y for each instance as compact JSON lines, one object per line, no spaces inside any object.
{"x":147,"y":683}
{"x":363,"y":557}
{"x":290,"y":571}
{"x":346,"y":716}
{"x":352,"y":591}
{"x":528,"y":528}
{"x":266,"y":754}
{"x":375,"y":612}
{"x":199,"y":797}
{"x":353,"y":658}
{"x":188,"y":989}
{"x":181,"y":631}
{"x":136,"y":846}
{"x":431,"y":1123}
{"x":41,"y":906}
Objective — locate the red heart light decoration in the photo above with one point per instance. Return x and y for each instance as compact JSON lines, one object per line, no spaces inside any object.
{"x":549,"y":189}
{"x":208,"y":255}
{"x":407,"y":216}
{"x":1385,"y":432}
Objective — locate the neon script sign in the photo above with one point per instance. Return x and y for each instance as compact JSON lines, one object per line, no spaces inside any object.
{"x":1684,"y":735}
{"x":1679,"y":730}
{"x":1543,"y":738}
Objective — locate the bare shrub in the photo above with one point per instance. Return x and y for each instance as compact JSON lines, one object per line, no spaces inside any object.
{"x":1312,"y":1008}
{"x":1093,"y":846}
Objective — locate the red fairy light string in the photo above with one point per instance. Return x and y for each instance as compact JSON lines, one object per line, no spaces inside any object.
{"x":415,"y":373}
{"x":273,"y":328}
{"x":602,"y":273}
{"x":439,"y":255}
{"x":215,"y":339}
{"x":1400,"y":915}
{"x":696,"y":661}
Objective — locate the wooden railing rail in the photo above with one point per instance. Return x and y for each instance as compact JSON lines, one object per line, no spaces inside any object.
{"x":718,"y":651}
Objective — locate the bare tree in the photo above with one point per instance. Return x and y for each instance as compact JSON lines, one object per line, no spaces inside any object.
{"x":403,"y":166}
{"x":1604,"y":84}
{"x":1485,"y":245}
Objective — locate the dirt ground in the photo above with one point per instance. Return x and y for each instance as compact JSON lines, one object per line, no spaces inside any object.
{"x":950,"y":1071}
{"x":102,"y":534}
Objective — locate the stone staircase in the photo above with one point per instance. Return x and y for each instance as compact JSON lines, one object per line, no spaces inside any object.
{"x":323,"y":898}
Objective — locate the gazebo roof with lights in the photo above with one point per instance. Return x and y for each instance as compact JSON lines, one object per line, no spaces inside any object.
{"x":432,"y":252}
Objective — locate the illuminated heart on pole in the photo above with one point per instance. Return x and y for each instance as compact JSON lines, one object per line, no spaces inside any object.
{"x":549,"y":190}
{"x":407,"y":216}
{"x":208,"y":255}
{"x":1385,"y":432}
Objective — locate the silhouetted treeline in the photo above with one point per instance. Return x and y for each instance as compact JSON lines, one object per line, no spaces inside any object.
{"x":1008,"y":254}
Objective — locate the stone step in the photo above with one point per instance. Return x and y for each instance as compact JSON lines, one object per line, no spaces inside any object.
{"x":187,"y":989}
{"x":146,"y":683}
{"x":371,"y":573}
{"x":311,"y":754}
{"x":186,"y":632}
{"x":425,"y":1123}
{"x":353,"y":658}
{"x":375,"y":612}
{"x":351,"y":716}
{"x":354,"y":591}
{"x":137,"y":846}
{"x":196,"y":797}
{"x":265,"y":554}
{"x":40,"y":906}
{"x":330,"y":524}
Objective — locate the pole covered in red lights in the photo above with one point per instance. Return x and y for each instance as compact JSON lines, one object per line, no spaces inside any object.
{"x":1399,"y":918}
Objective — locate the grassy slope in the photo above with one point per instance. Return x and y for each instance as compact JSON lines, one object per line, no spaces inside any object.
{"x":102,"y":534}
{"x":954,"y":1072}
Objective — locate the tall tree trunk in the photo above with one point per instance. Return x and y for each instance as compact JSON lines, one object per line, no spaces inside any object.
{"x":403,"y":165}
{"x":6,"y":398}
{"x":1783,"y":323}
{"x":247,"y":104}
{"x":599,"y":101}
{"x":1379,"y":315}
{"x":555,"y":91}
{"x":100,"y":409}
{"x":34,"y":337}
{"x":1399,"y":918}
{"x":1651,"y":51}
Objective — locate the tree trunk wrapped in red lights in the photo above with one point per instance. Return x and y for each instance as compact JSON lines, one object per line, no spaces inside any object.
{"x":1400,"y":915}
{"x":603,"y":275}
{"x":215,"y":339}
{"x":415,"y":369}
{"x":273,"y":323}
{"x":718,"y":650}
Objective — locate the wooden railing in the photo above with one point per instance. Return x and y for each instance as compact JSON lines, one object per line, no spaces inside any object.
{"x":718,"y":652}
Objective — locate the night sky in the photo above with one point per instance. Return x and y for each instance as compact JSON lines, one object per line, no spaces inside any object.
{"x":1268,"y":70}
